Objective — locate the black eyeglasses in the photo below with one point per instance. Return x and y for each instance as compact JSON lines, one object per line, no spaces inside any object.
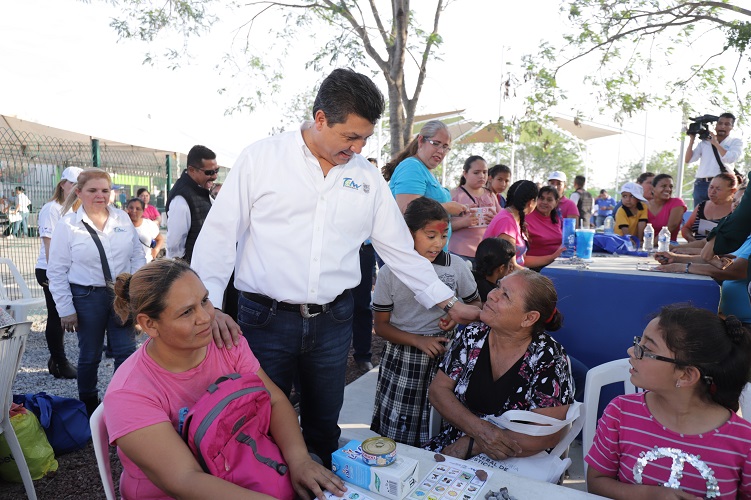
{"x":640,"y":352}
{"x":209,"y":173}
{"x":439,"y":145}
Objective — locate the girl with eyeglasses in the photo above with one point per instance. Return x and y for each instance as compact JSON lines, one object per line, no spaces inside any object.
{"x":681,"y":437}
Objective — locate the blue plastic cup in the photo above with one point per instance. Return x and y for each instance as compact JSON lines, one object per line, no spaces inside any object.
{"x":584,"y":240}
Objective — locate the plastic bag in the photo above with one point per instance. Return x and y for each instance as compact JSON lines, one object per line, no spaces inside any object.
{"x":36,"y":449}
{"x":612,"y":243}
{"x":64,"y":420}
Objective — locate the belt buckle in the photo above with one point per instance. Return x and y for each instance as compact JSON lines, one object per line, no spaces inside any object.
{"x":305,"y":312}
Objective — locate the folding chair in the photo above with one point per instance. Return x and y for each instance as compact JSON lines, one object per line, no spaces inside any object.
{"x":100,"y":439}
{"x":12,"y":344}
{"x":19,"y":308}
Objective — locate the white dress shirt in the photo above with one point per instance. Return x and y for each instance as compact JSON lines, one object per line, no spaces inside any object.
{"x":147,"y":232}
{"x":708,"y":166}
{"x":294,"y":235}
{"x":22,"y":203}
{"x":178,"y":225}
{"x":74,"y":257}
{"x":47,"y":220}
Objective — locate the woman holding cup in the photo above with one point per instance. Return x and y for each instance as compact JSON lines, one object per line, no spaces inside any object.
{"x":483,"y":205}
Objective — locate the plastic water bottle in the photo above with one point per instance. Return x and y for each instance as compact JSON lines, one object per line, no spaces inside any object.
{"x":609,"y":224}
{"x":663,"y":240}
{"x":569,"y":237}
{"x":649,"y":238}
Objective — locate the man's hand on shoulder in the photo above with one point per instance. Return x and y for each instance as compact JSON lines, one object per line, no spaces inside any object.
{"x":225,"y":331}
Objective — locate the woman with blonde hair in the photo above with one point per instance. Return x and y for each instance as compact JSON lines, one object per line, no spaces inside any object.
{"x":58,"y":364}
{"x":146,"y":400}
{"x":409,"y":173}
{"x":89,"y":247}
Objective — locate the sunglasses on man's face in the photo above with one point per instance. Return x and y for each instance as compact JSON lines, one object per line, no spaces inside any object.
{"x":209,"y":173}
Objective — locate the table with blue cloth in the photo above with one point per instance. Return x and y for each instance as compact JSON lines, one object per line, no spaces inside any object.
{"x":607,"y":302}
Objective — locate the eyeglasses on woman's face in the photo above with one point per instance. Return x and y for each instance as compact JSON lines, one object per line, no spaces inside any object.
{"x":640,"y":352}
{"x":439,"y":145}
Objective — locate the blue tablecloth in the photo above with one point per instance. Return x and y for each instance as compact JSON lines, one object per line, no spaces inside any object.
{"x":605,"y":306}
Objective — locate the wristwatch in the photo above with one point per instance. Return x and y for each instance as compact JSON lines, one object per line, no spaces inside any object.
{"x":450,"y":304}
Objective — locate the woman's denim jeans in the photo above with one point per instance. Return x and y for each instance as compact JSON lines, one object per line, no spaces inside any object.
{"x":95,"y":315}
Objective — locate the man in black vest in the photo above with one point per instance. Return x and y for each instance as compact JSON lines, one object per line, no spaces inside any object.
{"x":583,"y":200}
{"x":189,"y":202}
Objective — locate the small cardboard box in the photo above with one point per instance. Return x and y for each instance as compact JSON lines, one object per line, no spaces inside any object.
{"x":392,"y":481}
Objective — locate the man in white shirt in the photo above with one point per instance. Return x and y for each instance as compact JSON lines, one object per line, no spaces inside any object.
{"x":189,"y":202}
{"x":22,"y":209}
{"x":729,"y":149}
{"x":294,"y":212}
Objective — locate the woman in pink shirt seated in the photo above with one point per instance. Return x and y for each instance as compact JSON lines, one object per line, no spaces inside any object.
{"x":470,"y":227}
{"x":169,"y":373}
{"x":663,"y":209}
{"x":509,"y":224}
{"x":682,"y":432}
{"x":545,"y":228}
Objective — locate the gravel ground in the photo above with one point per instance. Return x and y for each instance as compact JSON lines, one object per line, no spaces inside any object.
{"x":78,"y":476}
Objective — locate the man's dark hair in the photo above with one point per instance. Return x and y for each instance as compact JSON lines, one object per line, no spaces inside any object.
{"x":644,"y":176}
{"x":197,"y":154}
{"x":728,"y":115}
{"x":603,"y":191}
{"x":345,"y":92}
{"x":580,"y":180}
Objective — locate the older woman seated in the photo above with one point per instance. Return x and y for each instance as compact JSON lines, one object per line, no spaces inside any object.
{"x":144,"y":402}
{"x":505,"y":362}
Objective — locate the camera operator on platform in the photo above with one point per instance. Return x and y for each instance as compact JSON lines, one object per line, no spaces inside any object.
{"x":729,"y":150}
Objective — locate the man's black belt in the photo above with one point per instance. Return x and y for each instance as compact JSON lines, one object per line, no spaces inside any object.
{"x":305,"y":310}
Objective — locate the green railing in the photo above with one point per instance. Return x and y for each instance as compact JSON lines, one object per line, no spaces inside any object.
{"x":36,"y":163}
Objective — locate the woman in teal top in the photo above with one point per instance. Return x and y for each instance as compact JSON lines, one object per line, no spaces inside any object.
{"x":409,"y":173}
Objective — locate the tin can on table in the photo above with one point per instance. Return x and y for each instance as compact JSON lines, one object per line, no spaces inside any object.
{"x":378,"y":451}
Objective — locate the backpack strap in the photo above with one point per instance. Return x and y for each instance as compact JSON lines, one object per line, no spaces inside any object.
{"x":243,"y":438}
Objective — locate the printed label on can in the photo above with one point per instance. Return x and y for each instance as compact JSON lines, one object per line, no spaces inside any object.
{"x":378,"y":451}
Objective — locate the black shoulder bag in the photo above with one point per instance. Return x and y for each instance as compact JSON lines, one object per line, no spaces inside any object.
{"x":723,"y":168}
{"x":102,"y":256}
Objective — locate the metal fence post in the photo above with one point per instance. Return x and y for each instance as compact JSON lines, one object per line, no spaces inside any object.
{"x":96,"y":158}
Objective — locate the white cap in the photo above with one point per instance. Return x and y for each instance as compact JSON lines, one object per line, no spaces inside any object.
{"x":71,"y":174}
{"x":634,"y":190}
{"x":557,"y":176}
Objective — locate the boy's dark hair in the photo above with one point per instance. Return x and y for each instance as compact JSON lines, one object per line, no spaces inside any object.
{"x":345,"y":92}
{"x":422,"y":210}
{"x":580,"y":180}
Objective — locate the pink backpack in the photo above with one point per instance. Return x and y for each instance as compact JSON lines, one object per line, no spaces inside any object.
{"x":228,"y":432}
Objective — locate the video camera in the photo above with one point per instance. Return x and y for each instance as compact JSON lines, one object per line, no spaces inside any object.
{"x":700,"y":126}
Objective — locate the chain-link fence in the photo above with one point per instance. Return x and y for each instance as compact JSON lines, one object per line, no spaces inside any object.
{"x":35,"y":163}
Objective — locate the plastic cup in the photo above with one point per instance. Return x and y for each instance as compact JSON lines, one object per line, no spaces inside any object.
{"x":585,"y":239}
{"x":480,"y":213}
{"x":569,"y":237}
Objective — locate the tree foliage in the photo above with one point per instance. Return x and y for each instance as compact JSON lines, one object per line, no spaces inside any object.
{"x":686,"y":39}
{"x":376,"y":32}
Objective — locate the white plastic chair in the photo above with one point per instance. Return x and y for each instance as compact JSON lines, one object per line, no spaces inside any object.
{"x":19,"y":308}
{"x":746,"y":402}
{"x":598,"y":377}
{"x":12,"y":344}
{"x":101,"y":441}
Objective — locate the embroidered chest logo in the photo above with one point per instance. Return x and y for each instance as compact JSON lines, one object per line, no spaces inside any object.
{"x":120,"y":230}
{"x":350,"y":183}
